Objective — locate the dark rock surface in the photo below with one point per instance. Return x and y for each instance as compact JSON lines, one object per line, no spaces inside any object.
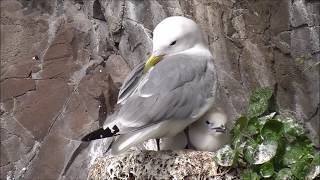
{"x":86,"y":48}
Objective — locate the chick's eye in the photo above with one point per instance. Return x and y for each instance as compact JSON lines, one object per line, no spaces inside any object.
{"x":173,"y":43}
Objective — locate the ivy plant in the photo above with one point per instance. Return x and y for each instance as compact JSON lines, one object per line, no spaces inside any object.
{"x":268,"y":144}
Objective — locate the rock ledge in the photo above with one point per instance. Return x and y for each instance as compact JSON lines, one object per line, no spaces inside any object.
{"x":185,"y":164}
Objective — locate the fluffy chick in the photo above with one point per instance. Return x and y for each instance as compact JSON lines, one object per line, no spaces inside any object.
{"x":210,"y":132}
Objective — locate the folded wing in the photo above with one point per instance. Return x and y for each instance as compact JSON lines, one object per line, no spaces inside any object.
{"x":176,"y":88}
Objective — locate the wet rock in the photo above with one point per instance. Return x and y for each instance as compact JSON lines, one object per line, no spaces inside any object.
{"x":135,"y":44}
{"x":20,"y":69}
{"x":280,"y":9}
{"x":301,"y":42}
{"x":53,"y":153}
{"x":299,"y":14}
{"x":18,"y":146}
{"x":60,"y":47}
{"x":15,"y":87}
{"x":97,"y":11}
{"x":283,"y":41}
{"x":4,"y":156}
{"x":23,"y":35}
{"x":51,"y":94}
{"x":117,"y":68}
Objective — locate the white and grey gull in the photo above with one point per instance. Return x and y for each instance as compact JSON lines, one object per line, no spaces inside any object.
{"x":171,"y":90}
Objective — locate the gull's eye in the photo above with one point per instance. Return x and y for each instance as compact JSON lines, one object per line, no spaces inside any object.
{"x":207,"y":122}
{"x":173,"y":43}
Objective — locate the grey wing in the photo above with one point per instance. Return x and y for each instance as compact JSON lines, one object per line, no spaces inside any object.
{"x":130,"y":83}
{"x":176,"y":88}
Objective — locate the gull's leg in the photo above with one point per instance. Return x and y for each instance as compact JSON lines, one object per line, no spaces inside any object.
{"x":186,"y":132}
{"x":158,"y":144}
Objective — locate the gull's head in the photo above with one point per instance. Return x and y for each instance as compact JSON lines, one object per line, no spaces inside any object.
{"x":215,"y":123}
{"x":173,"y":35}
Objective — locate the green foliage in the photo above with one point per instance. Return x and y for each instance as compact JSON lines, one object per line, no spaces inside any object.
{"x":250,"y":175}
{"x":259,"y":102}
{"x":284,"y":174}
{"x":225,"y":156}
{"x":267,"y":170}
{"x":269,"y":145}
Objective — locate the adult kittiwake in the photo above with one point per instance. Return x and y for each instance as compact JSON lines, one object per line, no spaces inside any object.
{"x":172,"y":89}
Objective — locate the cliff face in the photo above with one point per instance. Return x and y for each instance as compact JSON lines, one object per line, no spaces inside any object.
{"x":63,"y":61}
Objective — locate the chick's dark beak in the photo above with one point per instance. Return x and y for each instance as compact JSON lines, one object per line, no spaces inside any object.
{"x":221,"y":129}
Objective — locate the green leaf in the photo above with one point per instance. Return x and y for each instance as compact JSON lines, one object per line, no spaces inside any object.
{"x":306,"y":143}
{"x":292,"y":155}
{"x":262,"y":120}
{"x":272,"y":129}
{"x":250,"y":175}
{"x":253,"y":127}
{"x":249,"y":151}
{"x":267,"y":170}
{"x":284,"y":174}
{"x":302,"y":167}
{"x":277,"y":160}
{"x":239,"y":126}
{"x":236,"y":141}
{"x":242,"y":122}
{"x":315,"y":167}
{"x":291,"y":126}
{"x":265,"y":152}
{"x":295,"y":151}
{"x":225,"y":156}
{"x":259,"y":102}
{"x":236,"y":132}
{"x":240,"y":148}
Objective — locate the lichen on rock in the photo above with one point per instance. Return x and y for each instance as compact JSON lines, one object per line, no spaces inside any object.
{"x":183,"y":164}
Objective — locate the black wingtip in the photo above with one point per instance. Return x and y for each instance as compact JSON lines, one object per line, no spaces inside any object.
{"x":98,"y":134}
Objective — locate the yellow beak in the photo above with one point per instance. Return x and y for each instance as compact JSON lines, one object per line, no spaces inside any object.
{"x":152,"y":61}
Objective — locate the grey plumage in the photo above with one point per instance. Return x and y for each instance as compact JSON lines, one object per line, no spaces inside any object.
{"x":130,"y":83}
{"x":174,"y":88}
{"x":176,"y":94}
